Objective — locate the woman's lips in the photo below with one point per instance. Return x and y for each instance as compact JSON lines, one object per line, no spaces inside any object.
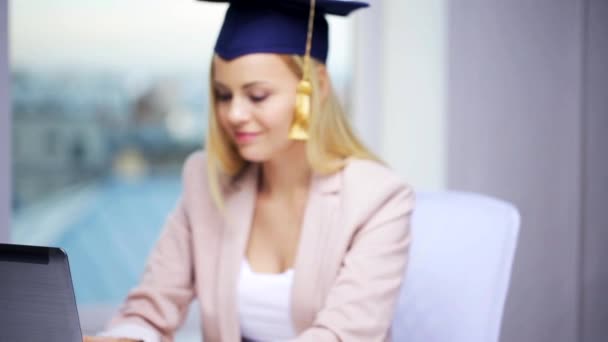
{"x":245,"y":137}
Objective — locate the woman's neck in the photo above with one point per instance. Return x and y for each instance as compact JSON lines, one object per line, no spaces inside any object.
{"x":287,"y":176}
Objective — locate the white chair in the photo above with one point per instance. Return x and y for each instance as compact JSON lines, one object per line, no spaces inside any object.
{"x":458,"y":274}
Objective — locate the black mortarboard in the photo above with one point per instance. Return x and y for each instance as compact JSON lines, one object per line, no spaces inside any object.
{"x":277,"y":26}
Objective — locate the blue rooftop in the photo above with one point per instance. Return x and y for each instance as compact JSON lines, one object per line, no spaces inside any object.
{"x":107,"y":229}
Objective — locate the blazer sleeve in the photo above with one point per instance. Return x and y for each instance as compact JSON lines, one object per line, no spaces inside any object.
{"x":361,"y":303}
{"x":160,"y":302}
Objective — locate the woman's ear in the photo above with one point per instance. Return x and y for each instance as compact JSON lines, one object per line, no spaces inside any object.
{"x":324,"y":82}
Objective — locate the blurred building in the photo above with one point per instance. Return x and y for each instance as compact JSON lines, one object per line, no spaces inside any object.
{"x":59,"y":136}
{"x":69,"y":127}
{"x":86,"y":220}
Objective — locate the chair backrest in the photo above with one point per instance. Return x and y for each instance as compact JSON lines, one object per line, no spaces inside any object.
{"x":459,"y":269}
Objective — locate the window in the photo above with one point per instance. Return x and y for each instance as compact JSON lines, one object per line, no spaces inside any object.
{"x":109,"y":98}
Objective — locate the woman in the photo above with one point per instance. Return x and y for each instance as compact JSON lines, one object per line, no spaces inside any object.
{"x":288,"y":228}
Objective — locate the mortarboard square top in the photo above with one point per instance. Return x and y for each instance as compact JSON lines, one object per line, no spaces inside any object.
{"x":277,"y":26}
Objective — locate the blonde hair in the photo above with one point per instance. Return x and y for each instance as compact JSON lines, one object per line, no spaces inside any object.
{"x":331,"y":139}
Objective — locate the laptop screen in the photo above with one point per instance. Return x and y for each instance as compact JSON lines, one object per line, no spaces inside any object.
{"x":37,"y":301}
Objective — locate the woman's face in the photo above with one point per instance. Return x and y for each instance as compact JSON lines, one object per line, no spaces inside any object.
{"x":254,"y":103}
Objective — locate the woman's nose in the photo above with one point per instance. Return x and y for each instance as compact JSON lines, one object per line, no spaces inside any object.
{"x":238,"y":112}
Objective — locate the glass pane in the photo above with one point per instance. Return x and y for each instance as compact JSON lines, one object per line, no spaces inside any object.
{"x":109,"y":98}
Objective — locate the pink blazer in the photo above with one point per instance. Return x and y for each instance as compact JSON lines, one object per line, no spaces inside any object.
{"x":349,"y":264}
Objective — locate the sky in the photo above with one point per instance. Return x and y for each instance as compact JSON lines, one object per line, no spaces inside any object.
{"x":112,"y":34}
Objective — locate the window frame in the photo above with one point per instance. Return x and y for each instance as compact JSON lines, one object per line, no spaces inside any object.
{"x":361,"y":97}
{"x":5,"y":126}
{"x":365,"y":32}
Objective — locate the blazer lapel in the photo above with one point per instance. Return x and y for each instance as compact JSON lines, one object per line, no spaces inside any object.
{"x":320,"y":216}
{"x":239,"y":208}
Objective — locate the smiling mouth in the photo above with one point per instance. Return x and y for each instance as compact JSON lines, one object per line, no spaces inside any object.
{"x":245,"y":137}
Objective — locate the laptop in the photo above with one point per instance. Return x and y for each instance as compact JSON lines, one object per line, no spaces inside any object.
{"x":37,"y":302}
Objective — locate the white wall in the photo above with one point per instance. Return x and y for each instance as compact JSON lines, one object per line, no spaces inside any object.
{"x":508,"y":99}
{"x":594,"y":313}
{"x":413,"y":138}
{"x":398,"y":97}
{"x":366,"y":107}
{"x":528,"y":115}
{"x":5,"y":126}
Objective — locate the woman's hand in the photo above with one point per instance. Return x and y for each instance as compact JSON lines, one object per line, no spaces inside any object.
{"x":107,"y":339}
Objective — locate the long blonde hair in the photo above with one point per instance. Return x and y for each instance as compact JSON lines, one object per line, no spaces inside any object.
{"x":331,"y":139}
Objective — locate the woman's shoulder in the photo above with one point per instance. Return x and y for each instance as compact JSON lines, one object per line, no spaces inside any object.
{"x":369,"y":174}
{"x":196,"y":161}
{"x":194,"y":173}
{"x":369,"y":185}
{"x":196,"y":194}
{"x":195,"y":166}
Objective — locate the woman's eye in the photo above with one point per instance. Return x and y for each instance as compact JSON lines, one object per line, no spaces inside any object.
{"x":258,"y":98}
{"x":223,"y":97}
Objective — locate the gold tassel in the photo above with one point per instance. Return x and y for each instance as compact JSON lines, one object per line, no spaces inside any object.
{"x":299,"y":126}
{"x":303,"y":110}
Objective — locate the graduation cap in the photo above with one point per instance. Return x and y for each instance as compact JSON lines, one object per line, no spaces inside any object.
{"x":286,"y":27}
{"x":278,"y":26}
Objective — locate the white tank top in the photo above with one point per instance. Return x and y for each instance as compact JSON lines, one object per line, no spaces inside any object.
{"x":264,"y":303}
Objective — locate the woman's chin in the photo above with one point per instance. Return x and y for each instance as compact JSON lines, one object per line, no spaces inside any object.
{"x":252,"y":154}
